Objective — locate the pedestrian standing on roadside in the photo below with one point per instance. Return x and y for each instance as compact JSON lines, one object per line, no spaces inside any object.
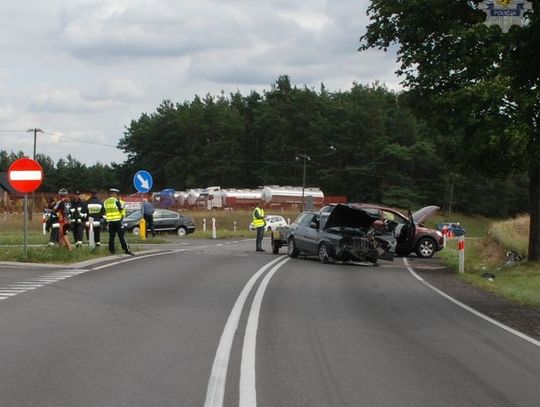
{"x":62,"y":207}
{"x":52,"y":223}
{"x":79,"y":216}
{"x":259,"y":223}
{"x":148,"y":215}
{"x":115,"y":211}
{"x":96,"y":212}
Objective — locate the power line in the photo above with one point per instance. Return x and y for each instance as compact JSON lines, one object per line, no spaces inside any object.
{"x":80,"y":139}
{"x":61,"y":136}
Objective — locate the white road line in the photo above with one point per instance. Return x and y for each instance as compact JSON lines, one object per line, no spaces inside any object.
{"x":37,"y":282}
{"x":471,"y":310}
{"x":216,"y":384}
{"x":248,"y":391}
{"x":23,"y":287}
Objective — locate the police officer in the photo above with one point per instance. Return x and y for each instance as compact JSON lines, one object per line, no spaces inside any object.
{"x":115,"y":212}
{"x":259,"y":223}
{"x":79,"y":215}
{"x":96,"y":212}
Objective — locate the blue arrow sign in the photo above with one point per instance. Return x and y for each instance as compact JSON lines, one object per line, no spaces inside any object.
{"x":143,"y":181}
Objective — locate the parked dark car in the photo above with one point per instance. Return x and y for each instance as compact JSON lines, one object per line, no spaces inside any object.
{"x":425,"y":242}
{"x":455,"y":228}
{"x":345,"y":233}
{"x":164,"y":221}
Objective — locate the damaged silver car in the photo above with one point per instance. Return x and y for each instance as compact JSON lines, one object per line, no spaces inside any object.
{"x":345,"y":233}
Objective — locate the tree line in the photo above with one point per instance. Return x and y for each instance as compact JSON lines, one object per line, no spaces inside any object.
{"x":366,"y":143}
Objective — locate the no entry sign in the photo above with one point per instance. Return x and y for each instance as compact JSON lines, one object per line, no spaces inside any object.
{"x":25,"y":175}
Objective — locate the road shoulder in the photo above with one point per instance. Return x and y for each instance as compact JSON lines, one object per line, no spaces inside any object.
{"x":519,"y":317}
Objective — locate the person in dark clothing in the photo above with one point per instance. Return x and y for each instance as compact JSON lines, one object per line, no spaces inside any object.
{"x":96,"y":212}
{"x":79,"y":215}
{"x":52,"y":224}
{"x":62,"y":207}
{"x":148,"y":215}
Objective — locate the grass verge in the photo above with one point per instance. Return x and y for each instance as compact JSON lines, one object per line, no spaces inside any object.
{"x":517,"y":281}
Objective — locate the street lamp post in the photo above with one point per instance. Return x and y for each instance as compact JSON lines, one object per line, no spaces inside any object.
{"x":305,"y":158}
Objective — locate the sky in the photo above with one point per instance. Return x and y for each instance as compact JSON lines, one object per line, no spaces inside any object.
{"x":82,"y":70}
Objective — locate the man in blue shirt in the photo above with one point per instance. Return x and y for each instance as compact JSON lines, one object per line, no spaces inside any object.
{"x":148,"y":215}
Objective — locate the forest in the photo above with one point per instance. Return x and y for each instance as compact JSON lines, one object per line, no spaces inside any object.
{"x":366,"y":143}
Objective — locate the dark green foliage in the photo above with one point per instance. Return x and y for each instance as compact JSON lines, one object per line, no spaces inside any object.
{"x":476,"y":86}
{"x":365,"y":143}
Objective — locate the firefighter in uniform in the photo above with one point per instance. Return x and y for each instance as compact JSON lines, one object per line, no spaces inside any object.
{"x":79,"y":215}
{"x":115,"y":212}
{"x":259,"y":223}
{"x":96,"y":212}
{"x":52,"y":224}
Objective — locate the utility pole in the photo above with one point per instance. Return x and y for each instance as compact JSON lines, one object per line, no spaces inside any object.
{"x":36,"y":131}
{"x":305,"y":158}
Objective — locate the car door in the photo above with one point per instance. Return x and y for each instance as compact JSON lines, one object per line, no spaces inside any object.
{"x":298,"y":230}
{"x":169,"y":221}
{"x":158,"y":220}
{"x":312,"y":235}
{"x":405,"y":240}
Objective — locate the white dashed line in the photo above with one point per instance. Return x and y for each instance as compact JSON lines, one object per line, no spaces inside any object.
{"x":13,"y":289}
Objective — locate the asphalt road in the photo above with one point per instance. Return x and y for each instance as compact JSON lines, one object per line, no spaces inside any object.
{"x":214,"y":323}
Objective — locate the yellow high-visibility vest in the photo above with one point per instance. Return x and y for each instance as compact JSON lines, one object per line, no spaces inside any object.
{"x":111,"y":209}
{"x":257,"y":223}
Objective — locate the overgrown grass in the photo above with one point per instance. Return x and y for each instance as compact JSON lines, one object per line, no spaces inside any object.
{"x":55,"y":255}
{"x":517,"y":281}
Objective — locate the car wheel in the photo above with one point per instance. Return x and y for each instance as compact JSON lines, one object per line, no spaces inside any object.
{"x":425,"y":247}
{"x":136,"y":231}
{"x":324,"y":257}
{"x":182,"y":231}
{"x":275,"y":244}
{"x":292,"y":251}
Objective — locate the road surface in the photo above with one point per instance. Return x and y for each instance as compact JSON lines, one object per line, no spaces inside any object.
{"x":213,"y":323}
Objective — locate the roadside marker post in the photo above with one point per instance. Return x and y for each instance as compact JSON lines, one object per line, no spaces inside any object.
{"x":214,"y":235}
{"x":461,"y":253}
{"x":445,"y":234}
{"x":91,"y":237}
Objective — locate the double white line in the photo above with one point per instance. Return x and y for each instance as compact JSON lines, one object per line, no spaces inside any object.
{"x":218,"y":376}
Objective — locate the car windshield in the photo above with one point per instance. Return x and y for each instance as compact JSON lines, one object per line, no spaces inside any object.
{"x":133,"y":216}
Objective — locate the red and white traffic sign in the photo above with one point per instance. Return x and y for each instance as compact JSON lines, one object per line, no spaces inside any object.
{"x":25,"y":175}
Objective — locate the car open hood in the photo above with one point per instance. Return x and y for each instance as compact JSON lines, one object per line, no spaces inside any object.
{"x":422,"y":214}
{"x":346,"y":216}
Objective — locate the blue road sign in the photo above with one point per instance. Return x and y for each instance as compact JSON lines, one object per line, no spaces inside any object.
{"x":143,"y":181}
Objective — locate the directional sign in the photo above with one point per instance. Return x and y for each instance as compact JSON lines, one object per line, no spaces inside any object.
{"x":25,"y":175}
{"x":143,"y":181}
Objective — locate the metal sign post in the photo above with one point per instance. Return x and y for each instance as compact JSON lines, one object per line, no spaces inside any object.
{"x":25,"y":175}
{"x":25,"y":225}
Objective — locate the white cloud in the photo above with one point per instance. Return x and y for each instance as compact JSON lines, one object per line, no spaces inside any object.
{"x":85,"y":68}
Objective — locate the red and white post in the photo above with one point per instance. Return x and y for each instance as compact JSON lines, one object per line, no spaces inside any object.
{"x":461,"y":253}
